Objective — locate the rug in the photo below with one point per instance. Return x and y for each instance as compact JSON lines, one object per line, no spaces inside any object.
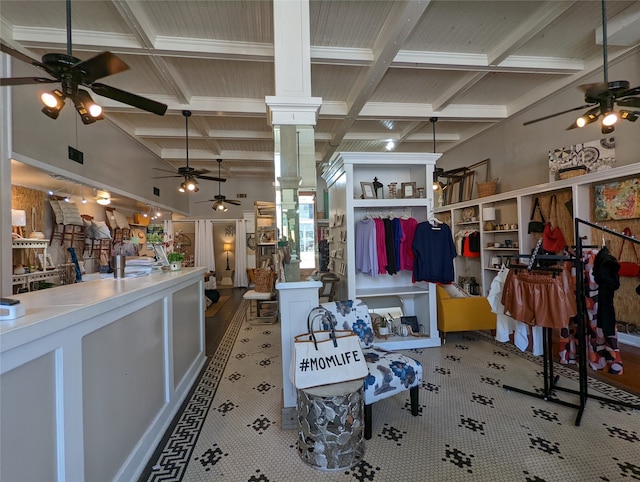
{"x":215,"y":307}
{"x":469,"y":426}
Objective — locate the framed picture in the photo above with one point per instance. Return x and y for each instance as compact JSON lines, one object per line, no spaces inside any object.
{"x":617,"y":200}
{"x":408,"y":190}
{"x":368,"y":192}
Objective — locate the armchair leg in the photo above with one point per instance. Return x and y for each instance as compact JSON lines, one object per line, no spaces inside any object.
{"x":413,"y":395}
{"x":367,"y":422}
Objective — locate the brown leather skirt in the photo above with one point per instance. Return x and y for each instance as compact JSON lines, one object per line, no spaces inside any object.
{"x":538,"y":298}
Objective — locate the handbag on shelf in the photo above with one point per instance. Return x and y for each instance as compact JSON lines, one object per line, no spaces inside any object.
{"x":536,"y":226}
{"x":327,"y":356}
{"x":552,"y":237}
{"x":628,"y":269}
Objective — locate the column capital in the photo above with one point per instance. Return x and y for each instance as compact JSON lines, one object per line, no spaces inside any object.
{"x":293,"y":110}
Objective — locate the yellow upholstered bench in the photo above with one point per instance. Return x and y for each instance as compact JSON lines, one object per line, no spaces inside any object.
{"x":462,"y":313}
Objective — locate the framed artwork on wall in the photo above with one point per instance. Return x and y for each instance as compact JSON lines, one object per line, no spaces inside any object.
{"x":617,"y":200}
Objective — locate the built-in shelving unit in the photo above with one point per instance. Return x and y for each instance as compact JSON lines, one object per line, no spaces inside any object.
{"x":347,"y":208}
{"x":513,"y":211}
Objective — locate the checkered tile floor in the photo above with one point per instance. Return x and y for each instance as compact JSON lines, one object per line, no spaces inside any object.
{"x":469,"y":427}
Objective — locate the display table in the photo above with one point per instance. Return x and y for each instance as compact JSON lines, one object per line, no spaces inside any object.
{"x":93,"y":373}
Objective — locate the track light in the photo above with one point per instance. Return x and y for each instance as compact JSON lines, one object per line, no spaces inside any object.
{"x":89,"y":111}
{"x":53,"y":103}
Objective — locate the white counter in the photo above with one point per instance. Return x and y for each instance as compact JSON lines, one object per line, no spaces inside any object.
{"x":92,"y":375}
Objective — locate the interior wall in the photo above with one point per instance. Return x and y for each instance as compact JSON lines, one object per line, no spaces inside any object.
{"x":519,"y":154}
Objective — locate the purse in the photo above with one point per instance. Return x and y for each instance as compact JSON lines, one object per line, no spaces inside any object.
{"x":328,"y":356}
{"x":628,"y":269}
{"x":536,"y":226}
{"x":552,"y":237}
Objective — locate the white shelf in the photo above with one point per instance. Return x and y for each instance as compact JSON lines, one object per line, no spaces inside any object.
{"x":501,"y":249}
{"x":387,"y":204}
{"x":498,"y":231}
{"x":407,"y":342}
{"x":390,"y":291}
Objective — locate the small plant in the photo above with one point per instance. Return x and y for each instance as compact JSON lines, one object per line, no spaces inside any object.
{"x":383,"y":322}
{"x":175,"y":257}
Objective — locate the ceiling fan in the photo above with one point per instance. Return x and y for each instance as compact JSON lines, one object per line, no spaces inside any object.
{"x":219,"y":200}
{"x":601,"y":98}
{"x":189,"y":173}
{"x":74,"y":73}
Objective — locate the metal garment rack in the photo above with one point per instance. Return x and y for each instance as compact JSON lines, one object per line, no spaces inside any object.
{"x":551,"y":380}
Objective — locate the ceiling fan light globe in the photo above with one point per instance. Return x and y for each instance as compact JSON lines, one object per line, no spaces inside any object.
{"x":581,"y":122}
{"x":53,"y":99}
{"x":609,"y":119}
{"x":182,"y":187}
{"x":95,"y":111}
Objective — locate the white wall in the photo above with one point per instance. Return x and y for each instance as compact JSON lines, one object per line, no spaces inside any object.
{"x":519,"y":154}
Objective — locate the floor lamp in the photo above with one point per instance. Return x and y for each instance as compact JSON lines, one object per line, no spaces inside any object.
{"x":226,"y":279}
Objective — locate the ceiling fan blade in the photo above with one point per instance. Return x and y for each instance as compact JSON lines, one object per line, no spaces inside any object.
{"x":129,"y":98}
{"x":634,"y":91}
{"x":234,"y":202}
{"x":102,"y":65}
{"x":211,"y":178}
{"x":557,"y":114}
{"x":629,"y":102}
{"x":206,"y":201}
{"x":164,"y":177}
{"x":25,"y":58}
{"x":26,"y":80}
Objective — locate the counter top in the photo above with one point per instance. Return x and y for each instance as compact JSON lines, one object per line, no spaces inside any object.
{"x":50,"y":310}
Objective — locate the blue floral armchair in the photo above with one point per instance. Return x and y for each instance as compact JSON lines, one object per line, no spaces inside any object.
{"x":389,"y":372}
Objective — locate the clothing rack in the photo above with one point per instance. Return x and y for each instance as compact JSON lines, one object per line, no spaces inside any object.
{"x":550,"y":380}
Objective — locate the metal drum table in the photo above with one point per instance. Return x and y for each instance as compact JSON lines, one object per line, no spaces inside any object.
{"x":331,"y":423}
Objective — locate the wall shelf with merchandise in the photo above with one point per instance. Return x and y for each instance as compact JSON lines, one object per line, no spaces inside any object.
{"x":512,"y":213}
{"x":412,"y":173}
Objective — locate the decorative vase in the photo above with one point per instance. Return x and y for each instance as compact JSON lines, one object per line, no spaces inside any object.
{"x":175,"y":266}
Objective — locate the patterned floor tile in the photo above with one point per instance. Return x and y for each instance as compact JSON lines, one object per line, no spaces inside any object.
{"x":469,"y":427}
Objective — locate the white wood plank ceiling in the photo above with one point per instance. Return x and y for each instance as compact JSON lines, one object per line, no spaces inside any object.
{"x":471,"y":64}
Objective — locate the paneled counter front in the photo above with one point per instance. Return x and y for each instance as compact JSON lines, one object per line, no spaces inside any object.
{"x":92,"y":375}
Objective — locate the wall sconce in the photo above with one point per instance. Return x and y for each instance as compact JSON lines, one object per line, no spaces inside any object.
{"x":226,"y":248}
{"x":18,"y":221}
{"x":488,"y":216}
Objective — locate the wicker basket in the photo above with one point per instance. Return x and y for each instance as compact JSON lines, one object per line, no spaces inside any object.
{"x":569,"y":172}
{"x":487,"y":188}
{"x":265,"y":279}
